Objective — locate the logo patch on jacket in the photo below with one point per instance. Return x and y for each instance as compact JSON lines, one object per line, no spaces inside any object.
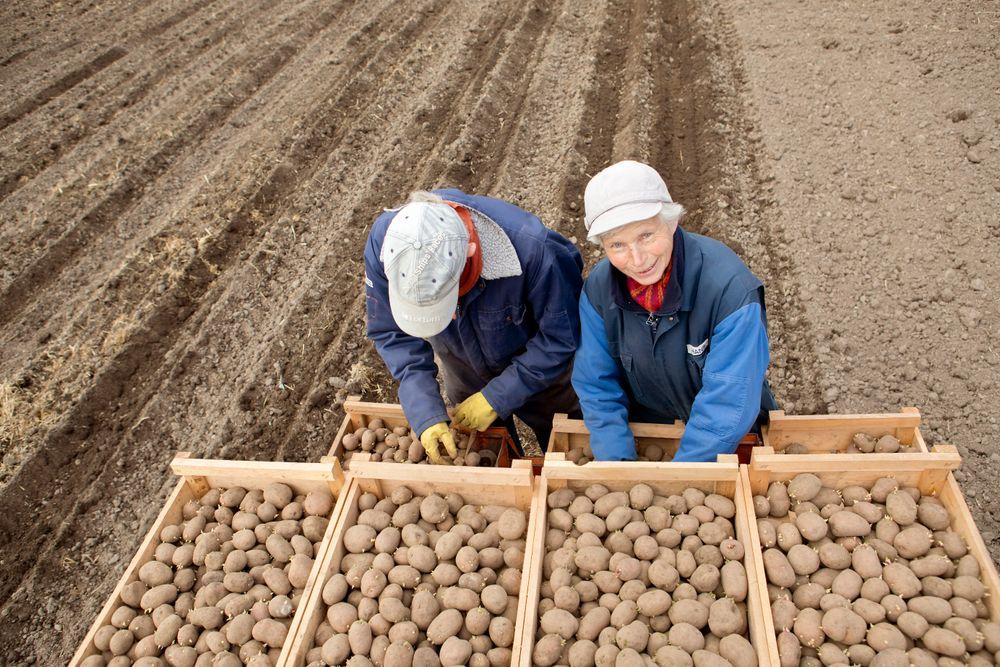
{"x":698,"y":350}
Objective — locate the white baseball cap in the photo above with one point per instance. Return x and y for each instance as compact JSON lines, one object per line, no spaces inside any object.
{"x":424,"y":253}
{"x":624,"y":193}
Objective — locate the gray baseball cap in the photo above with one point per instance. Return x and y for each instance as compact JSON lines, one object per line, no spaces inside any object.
{"x":424,"y":253}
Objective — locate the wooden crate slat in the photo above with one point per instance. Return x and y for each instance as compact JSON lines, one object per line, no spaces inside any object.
{"x":723,"y":477}
{"x":511,"y":487}
{"x":761,"y":623}
{"x":197,"y":476}
{"x":828,"y":433}
{"x":258,"y":474}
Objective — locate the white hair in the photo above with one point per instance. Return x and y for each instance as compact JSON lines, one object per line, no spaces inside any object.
{"x":670,"y":215}
{"x":425,"y":196}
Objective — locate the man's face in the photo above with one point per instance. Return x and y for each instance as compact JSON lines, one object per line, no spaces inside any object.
{"x":641,"y":250}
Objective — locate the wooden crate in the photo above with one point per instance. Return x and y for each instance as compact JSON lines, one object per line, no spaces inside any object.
{"x":931,"y":473}
{"x":824,"y":434}
{"x":510,"y":487}
{"x":725,"y":477}
{"x":359,"y":414}
{"x":570,"y":434}
{"x":197,"y":477}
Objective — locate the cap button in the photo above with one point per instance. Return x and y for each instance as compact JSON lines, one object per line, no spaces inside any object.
{"x":416,"y":245}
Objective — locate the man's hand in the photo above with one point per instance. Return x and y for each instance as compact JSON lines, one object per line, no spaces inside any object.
{"x":436,"y":435}
{"x":475,"y":413}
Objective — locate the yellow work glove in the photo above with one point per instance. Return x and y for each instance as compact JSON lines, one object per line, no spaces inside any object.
{"x":436,"y":435}
{"x":475,"y":413}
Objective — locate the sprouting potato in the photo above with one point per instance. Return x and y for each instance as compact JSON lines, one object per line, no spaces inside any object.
{"x":895,"y":584}
{"x":222,"y":582}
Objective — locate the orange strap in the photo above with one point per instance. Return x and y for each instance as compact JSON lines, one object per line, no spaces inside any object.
{"x":473,"y":263}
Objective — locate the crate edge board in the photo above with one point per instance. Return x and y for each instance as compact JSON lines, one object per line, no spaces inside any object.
{"x":193,"y":484}
{"x":765,"y":631}
{"x":534,"y":552}
{"x":727,"y":470}
{"x":784,"y":429}
{"x":302,"y":642}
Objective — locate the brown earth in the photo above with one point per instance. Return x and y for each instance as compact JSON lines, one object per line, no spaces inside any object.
{"x":185,"y":188}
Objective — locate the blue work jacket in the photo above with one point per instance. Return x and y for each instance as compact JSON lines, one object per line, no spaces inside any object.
{"x":701,"y":358}
{"x":512,"y":336}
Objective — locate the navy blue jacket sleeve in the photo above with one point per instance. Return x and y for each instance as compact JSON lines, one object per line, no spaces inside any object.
{"x":598,"y":384}
{"x":409,"y":359}
{"x":729,"y":400}
{"x":553,"y":280}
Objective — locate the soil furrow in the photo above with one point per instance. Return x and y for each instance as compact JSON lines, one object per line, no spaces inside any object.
{"x":593,"y":148}
{"x":41,"y":149}
{"x":59,"y":87}
{"x":718,"y":177}
{"x":143,"y":353}
{"x":471,"y":166}
{"x":138,"y":180}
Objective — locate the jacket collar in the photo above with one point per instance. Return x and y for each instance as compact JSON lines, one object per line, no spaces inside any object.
{"x":673,"y":300}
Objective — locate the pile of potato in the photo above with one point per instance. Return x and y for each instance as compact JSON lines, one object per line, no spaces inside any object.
{"x":426,"y":581}
{"x":401,"y":445}
{"x":223,"y":585}
{"x":861,"y":443}
{"x":649,"y":451}
{"x":637,"y":578}
{"x":871,"y":576}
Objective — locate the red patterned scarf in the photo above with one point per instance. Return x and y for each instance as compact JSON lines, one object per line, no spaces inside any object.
{"x":650,"y":297}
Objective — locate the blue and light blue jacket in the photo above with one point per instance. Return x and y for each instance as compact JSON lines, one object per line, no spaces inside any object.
{"x":512,"y":336}
{"x":700,"y":358}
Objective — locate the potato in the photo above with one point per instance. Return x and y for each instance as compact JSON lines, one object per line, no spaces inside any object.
{"x":844,"y":625}
{"x":688,"y":611}
{"x":943,"y":641}
{"x":968,"y":587}
{"x":846,"y":523}
{"x":901,"y":580}
{"x":803,"y":559}
{"x":808,"y":627}
{"x":686,"y":636}
{"x":502,"y":631}
{"x":547,"y":650}
{"x":705,"y":578}
{"x":726,"y":618}
{"x":777,"y":498}
{"x":674,"y":656}
{"x":359,"y":538}
{"x":278,"y":494}
{"x":738,"y":651}
{"x":804,"y":487}
{"x":865,"y":562}
{"x":779,"y":571}
{"x":913,"y":541}
{"x":433,"y":508}
{"x":882,"y":636}
{"x":933,"y":514}
{"x":653,"y":603}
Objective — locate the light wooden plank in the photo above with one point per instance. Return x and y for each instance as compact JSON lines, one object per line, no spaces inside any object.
{"x":531,"y":579}
{"x":758,"y":606}
{"x":829,"y":433}
{"x":302,"y":477}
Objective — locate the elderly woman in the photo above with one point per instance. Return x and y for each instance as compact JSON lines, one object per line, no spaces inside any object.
{"x":672,"y":325}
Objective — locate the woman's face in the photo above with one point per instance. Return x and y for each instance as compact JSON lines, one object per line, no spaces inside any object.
{"x":641,"y":250}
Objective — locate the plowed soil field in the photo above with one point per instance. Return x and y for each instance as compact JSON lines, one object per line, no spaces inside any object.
{"x":186,"y":186}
